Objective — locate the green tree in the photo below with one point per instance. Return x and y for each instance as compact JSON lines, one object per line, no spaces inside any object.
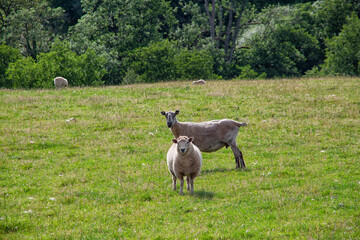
{"x":80,"y":70}
{"x":282,"y":46}
{"x":23,"y":74}
{"x":32,"y":30}
{"x":7,"y":56}
{"x":276,"y":59}
{"x":164,"y":61}
{"x":248,"y":73}
{"x":330,"y":16}
{"x":343,"y":51}
{"x":72,"y":8}
{"x":191,"y":31}
{"x":215,"y":22}
{"x":154,"y":63}
{"x":7,"y":7}
{"x":194,"y":64}
{"x":112,"y":28}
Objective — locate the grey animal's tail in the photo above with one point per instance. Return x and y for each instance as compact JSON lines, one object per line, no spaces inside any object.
{"x":241,"y":124}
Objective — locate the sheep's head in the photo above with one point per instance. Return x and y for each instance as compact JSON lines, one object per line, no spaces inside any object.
{"x":170,"y":117}
{"x":183,"y":143}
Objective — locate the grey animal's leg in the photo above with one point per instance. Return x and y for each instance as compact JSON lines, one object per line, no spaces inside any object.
{"x":238,"y":156}
{"x":188,"y":182}
{"x":174,"y":182}
{"x":191,"y":181}
{"x":181,"y":184}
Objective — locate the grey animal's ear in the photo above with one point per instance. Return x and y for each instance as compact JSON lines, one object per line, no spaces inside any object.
{"x":191,"y":139}
{"x":177,"y":112}
{"x":162,"y":112}
{"x":174,"y":141}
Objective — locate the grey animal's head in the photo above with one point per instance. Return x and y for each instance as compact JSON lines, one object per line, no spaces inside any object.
{"x":183,"y":143}
{"x":170,"y":117}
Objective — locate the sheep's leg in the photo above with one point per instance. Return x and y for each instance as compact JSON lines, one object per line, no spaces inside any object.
{"x":238,"y":156}
{"x":242,"y":160}
{"x":174,"y":182}
{"x":188,"y":182}
{"x":191,"y":184}
{"x":181,"y":185}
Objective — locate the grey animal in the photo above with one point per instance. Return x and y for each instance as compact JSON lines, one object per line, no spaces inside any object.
{"x":184,"y":159}
{"x":60,"y":82}
{"x":209,"y":136}
{"x":201,"y":81}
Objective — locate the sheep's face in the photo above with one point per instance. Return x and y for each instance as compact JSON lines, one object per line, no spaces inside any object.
{"x":183,"y":144}
{"x":170,"y":117}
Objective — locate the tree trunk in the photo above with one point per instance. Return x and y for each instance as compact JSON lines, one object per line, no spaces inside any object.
{"x":211,"y":17}
{"x":233,"y":24}
{"x":228,"y":32}
{"x":236,"y":32}
{"x":221,"y":24}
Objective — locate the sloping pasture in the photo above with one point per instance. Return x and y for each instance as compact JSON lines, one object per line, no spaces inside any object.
{"x":90,"y":163}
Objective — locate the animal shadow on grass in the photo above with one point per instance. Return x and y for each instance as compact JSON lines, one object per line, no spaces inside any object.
{"x":215,"y":170}
{"x":202,"y":194}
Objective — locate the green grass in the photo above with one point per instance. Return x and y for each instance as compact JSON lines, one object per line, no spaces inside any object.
{"x":104,"y":176}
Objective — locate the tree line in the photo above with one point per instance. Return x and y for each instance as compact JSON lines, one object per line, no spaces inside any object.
{"x":97,"y":42}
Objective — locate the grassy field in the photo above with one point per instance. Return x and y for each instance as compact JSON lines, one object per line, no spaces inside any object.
{"x":104,"y":176}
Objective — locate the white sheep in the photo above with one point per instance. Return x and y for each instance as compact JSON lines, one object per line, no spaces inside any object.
{"x":209,"y":136}
{"x":201,"y":81}
{"x":60,"y":82}
{"x":184,"y":159}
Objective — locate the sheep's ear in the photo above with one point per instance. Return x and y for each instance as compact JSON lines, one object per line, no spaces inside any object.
{"x":174,"y":141}
{"x":162,"y":112}
{"x":191,"y":139}
{"x":177,"y":112}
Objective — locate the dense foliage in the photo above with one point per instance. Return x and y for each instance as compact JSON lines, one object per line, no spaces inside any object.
{"x":343,"y":52}
{"x":121,"y":42}
{"x":7,"y":56}
{"x":81,"y":70}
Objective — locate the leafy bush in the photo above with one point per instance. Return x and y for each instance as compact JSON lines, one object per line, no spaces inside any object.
{"x":331,"y":16}
{"x":248,"y":73}
{"x":194,"y":64}
{"x":92,"y":69}
{"x":7,"y":56}
{"x":80,"y":70}
{"x":153,"y":63}
{"x":115,"y":28}
{"x":163,"y":62}
{"x":314,"y":72}
{"x":285,"y":51}
{"x":343,"y":51}
{"x":32,"y":28}
{"x":23,"y":74}
{"x":131,"y":77}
